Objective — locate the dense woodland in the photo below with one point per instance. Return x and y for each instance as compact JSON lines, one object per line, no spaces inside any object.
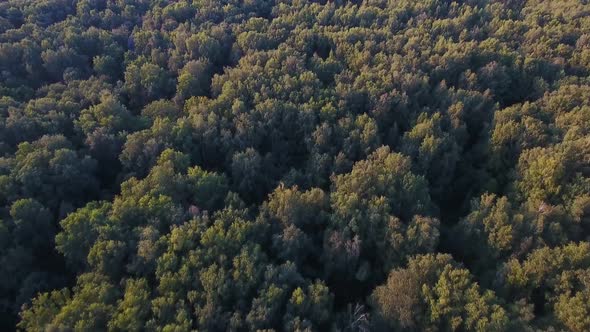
{"x":295,"y":165}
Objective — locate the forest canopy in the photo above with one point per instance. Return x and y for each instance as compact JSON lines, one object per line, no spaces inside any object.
{"x":295,"y":165}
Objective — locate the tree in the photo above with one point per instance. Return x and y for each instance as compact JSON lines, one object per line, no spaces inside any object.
{"x":133,"y":310}
{"x":194,"y":79}
{"x":377,"y":208}
{"x":79,"y":232}
{"x":434,"y":292}
{"x":43,"y":166}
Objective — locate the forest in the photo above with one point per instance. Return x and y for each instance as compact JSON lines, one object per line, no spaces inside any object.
{"x":295,"y":165}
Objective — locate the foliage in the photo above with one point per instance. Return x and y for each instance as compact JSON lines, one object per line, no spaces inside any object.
{"x":294,"y":165}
